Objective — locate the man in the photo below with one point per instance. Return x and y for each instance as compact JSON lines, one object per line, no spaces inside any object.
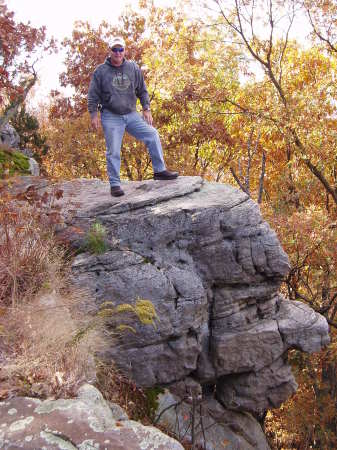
{"x":115,"y":87}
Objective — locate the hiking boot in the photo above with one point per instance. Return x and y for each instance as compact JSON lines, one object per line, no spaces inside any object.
{"x":116,"y":191}
{"x":165,"y":175}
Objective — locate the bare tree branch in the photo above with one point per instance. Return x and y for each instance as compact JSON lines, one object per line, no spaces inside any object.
{"x":332,"y":47}
{"x":238,"y":180}
{"x":12,"y":109}
{"x":285,"y":44}
{"x":263,"y":169}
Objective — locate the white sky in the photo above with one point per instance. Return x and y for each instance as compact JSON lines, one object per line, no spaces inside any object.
{"x":59,"y":17}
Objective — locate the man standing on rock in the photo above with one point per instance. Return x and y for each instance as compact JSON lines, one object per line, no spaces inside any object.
{"x":114,"y":88}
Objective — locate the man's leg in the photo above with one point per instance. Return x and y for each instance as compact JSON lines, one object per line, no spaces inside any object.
{"x":113,"y":127}
{"x":138,"y":128}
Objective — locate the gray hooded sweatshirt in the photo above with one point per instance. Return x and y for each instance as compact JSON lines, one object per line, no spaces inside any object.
{"x":117,"y":88}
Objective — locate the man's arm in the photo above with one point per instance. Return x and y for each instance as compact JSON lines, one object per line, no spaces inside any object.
{"x":143,"y":95}
{"x":147,"y":116}
{"x":94,"y":99}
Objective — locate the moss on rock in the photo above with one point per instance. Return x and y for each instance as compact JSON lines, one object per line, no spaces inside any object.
{"x":13,"y":162}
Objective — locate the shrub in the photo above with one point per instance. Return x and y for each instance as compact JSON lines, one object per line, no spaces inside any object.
{"x":28,"y":254}
{"x":95,"y":241}
{"x":12,"y":161}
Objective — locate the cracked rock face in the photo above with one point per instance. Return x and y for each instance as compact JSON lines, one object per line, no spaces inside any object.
{"x":84,"y":423}
{"x":210,"y":265}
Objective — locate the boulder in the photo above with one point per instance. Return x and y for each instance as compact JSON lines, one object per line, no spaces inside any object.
{"x":9,"y":136}
{"x":34,"y":167}
{"x":85,"y":422}
{"x":210,"y":265}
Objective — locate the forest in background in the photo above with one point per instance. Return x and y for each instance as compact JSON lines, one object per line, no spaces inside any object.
{"x":236,"y":99}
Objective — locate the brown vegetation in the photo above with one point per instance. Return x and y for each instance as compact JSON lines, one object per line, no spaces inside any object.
{"x":39,"y":313}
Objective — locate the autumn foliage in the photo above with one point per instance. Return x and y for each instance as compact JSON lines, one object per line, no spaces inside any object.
{"x":20,"y":47}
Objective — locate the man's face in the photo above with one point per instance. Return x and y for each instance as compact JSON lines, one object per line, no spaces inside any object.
{"x":117,"y":55}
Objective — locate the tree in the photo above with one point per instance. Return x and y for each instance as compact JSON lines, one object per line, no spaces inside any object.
{"x":323,"y":19}
{"x":270,"y":53}
{"x":27,"y":126}
{"x":19,"y":47}
{"x":290,"y":101}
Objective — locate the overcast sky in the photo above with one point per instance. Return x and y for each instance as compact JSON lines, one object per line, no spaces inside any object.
{"x":59,"y":17}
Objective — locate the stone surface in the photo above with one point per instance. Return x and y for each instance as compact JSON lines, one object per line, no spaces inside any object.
{"x":215,"y":428}
{"x":9,"y":136}
{"x":28,"y":152}
{"x":34,"y":167}
{"x":301,"y":327}
{"x":259,"y":391}
{"x":87,"y":422}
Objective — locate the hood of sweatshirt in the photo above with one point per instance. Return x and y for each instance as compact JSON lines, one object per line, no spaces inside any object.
{"x":108,"y":62}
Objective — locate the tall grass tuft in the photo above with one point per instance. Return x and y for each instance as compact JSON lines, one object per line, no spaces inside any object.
{"x":95,"y":241}
{"x":28,"y":254}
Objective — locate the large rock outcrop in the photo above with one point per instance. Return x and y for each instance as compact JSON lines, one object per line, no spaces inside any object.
{"x":9,"y":136}
{"x":212,"y":267}
{"x":202,"y":254}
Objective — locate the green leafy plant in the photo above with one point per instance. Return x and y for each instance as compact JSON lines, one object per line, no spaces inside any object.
{"x":143,"y":309}
{"x":95,"y":241}
{"x":12,"y":161}
{"x":152,"y":402}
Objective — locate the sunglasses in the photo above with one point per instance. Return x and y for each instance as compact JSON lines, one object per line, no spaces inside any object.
{"x":118,"y":49}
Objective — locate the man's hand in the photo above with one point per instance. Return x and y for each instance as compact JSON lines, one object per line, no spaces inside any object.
{"x":147,"y":116}
{"x":95,"y":122}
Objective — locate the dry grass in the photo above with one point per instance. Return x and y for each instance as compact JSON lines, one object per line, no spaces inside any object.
{"x":29,"y":257}
{"x":41,"y":352}
{"x":117,"y":388}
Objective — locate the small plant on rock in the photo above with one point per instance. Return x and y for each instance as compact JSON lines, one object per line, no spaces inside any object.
{"x":96,"y":239}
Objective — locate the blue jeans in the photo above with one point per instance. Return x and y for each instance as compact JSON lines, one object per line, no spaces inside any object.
{"x":114,"y":126}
